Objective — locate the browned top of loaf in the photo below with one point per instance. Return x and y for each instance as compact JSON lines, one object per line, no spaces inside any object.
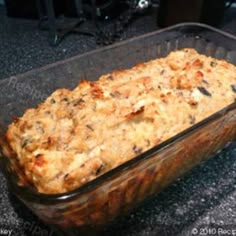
{"x":75,"y":136}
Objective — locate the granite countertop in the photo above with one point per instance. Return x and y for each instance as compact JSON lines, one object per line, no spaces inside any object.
{"x":206,"y":196}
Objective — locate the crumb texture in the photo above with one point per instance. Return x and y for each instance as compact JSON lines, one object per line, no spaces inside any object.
{"x":77,"y":135}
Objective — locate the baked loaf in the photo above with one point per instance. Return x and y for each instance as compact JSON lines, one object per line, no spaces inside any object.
{"x":75,"y":136}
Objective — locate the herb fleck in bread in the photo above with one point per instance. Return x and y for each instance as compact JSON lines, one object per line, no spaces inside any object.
{"x":77,"y":135}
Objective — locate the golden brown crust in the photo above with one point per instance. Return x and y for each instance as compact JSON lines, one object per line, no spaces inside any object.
{"x":75,"y":136}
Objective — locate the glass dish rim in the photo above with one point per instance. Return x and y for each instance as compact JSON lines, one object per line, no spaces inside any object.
{"x":117,"y":44}
{"x":28,"y":194}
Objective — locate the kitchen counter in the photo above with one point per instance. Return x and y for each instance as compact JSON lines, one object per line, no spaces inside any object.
{"x":203,"y":202}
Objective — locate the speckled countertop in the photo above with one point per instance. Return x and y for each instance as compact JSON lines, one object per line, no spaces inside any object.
{"x":204,"y":197}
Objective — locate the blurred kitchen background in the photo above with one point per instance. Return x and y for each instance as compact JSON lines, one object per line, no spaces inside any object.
{"x":39,"y":32}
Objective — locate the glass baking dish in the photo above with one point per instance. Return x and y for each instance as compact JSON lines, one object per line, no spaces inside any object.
{"x":88,"y":209}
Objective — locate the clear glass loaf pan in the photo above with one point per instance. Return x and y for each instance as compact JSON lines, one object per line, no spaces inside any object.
{"x":89,"y":208}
